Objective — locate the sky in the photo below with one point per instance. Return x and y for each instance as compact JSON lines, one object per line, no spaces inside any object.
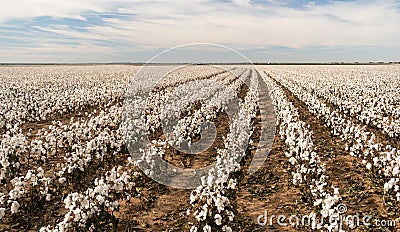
{"x":76,"y":31}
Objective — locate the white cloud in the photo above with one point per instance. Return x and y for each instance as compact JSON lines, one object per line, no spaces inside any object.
{"x":370,"y":24}
{"x":162,"y":24}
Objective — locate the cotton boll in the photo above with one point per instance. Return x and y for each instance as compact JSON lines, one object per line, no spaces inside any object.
{"x":232,"y":184}
{"x":396,"y":171}
{"x":226,"y":228}
{"x":231,"y":215}
{"x":317,"y":202}
{"x":62,"y":180}
{"x":218,"y":219}
{"x":2,"y":212}
{"x":100,"y":199}
{"x":292,"y":160}
{"x":15,"y":207}
{"x":207,"y":228}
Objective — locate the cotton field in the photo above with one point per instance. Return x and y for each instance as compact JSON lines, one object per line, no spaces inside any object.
{"x":95,"y":148}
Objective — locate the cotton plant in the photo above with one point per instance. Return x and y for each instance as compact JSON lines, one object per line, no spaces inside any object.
{"x":37,"y":94}
{"x":33,"y":185}
{"x":83,"y":141}
{"x":210,"y":204}
{"x":13,"y":148}
{"x":94,"y":138}
{"x":379,"y":159}
{"x":186,"y":128}
{"x":368,"y":94}
{"x":97,"y":203}
{"x":307,"y":169}
{"x":76,"y":136}
{"x":92,"y":142}
{"x":81,"y":153}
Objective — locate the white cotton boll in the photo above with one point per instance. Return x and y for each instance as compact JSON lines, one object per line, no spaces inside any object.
{"x":34,"y":179}
{"x":192,"y":198}
{"x":77,"y":214}
{"x":2,"y":212}
{"x":376,"y":159}
{"x":297,"y":178}
{"x":396,"y":171}
{"x":369,"y":166}
{"x":202,"y":215}
{"x":232,"y":184}
{"x":113,"y":205}
{"x":193,"y":229}
{"x":100,"y":199}
{"x":231,"y":215}
{"x":210,"y":180}
{"x":4,"y":163}
{"x":226,"y":228}
{"x":14,"y":207}
{"x":28,"y":174}
{"x":389,"y":185}
{"x":218,"y":219}
{"x":17,"y":165}
{"x":85,"y":203}
{"x":207,"y":228}
{"x":317,"y":202}
{"x":219,"y":203}
{"x":292,"y":160}
{"x":62,"y":180}
{"x":68,"y":202}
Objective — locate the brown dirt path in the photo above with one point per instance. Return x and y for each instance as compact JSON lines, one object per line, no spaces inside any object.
{"x":268,"y":189}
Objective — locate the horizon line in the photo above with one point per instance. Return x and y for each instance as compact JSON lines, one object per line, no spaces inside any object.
{"x":203,"y":63}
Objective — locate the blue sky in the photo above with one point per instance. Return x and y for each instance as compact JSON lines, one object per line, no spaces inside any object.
{"x":263,"y":30}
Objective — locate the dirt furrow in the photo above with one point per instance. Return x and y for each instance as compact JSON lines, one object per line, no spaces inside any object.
{"x":268,"y":190}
